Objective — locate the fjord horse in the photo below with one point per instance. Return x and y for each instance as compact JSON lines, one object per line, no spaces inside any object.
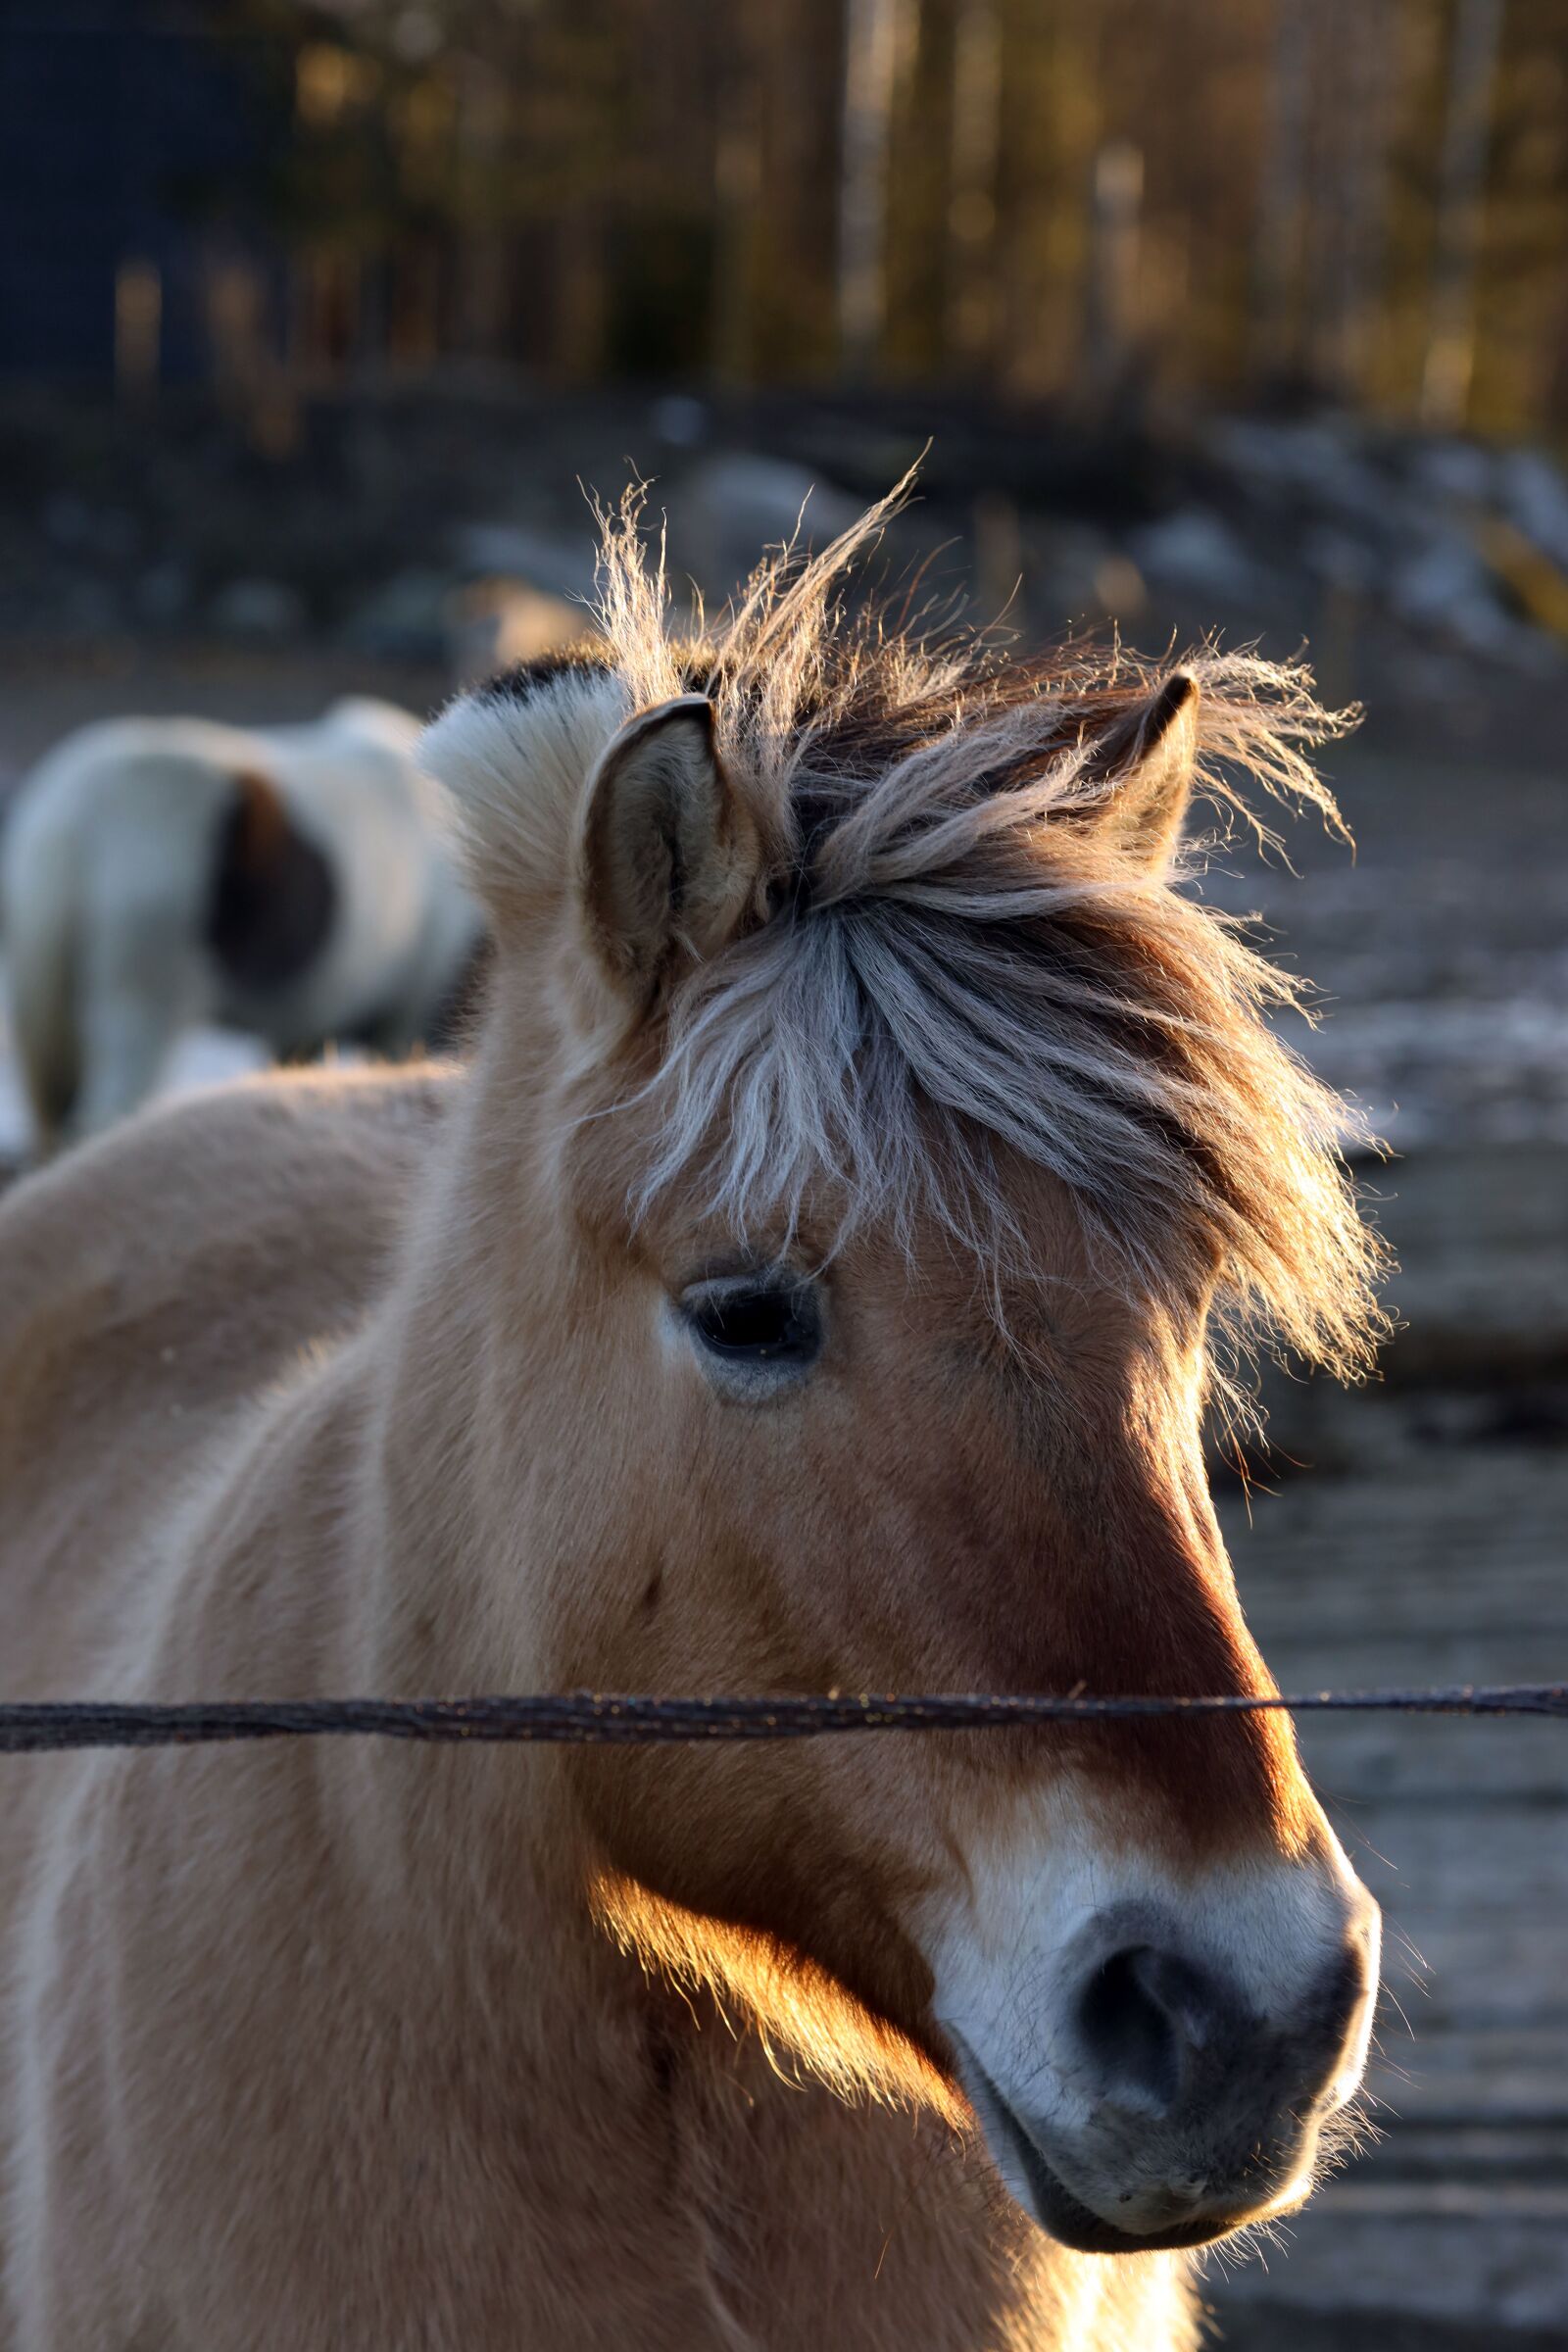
{"x":816,"y":1284}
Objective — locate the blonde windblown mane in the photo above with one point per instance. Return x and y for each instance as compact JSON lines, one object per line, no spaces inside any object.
{"x":956,"y":964}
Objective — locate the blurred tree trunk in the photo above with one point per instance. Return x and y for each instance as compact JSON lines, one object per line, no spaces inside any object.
{"x":1281,"y":194}
{"x":417,"y":304}
{"x":582,"y":294}
{"x":1461,"y":193}
{"x":1115,"y":220}
{"x":482,"y":257}
{"x":737,"y":201}
{"x":872,"y":44}
{"x":1350,"y":209}
{"x":970,"y":303}
{"x":138,"y":329}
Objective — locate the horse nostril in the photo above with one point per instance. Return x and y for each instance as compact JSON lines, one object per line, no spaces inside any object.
{"x":1344,"y":1992}
{"x":1143,"y":2013}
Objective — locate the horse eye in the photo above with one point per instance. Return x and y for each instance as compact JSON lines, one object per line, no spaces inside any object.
{"x":755,"y":1325}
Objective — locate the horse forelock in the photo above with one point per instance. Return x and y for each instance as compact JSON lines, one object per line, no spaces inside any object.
{"x":955,"y":969}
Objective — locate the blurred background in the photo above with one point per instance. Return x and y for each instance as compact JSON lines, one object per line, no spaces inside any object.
{"x":1246,"y":317}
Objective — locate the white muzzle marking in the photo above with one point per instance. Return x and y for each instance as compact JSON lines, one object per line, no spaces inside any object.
{"x":1151,"y":2054}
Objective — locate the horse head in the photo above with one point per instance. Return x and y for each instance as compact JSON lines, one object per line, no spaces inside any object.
{"x":883,"y":1157}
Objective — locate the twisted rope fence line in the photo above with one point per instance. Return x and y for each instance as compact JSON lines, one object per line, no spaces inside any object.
{"x":601,"y":1719}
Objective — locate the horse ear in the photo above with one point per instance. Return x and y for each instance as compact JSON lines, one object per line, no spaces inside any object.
{"x":1150,"y":758}
{"x":668,"y":855}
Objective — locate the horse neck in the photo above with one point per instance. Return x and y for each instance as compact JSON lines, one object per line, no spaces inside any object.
{"x":352,"y":1547}
{"x":445,"y":1493}
{"x":439,"y":1591}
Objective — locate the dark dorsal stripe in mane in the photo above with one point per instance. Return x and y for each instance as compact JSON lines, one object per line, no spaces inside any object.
{"x":525,"y":679}
{"x":856,"y":738}
{"x":273,"y":895}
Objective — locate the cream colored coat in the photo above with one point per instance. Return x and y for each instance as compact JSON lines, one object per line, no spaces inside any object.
{"x":406,"y":1386}
{"x":323,"y":2047}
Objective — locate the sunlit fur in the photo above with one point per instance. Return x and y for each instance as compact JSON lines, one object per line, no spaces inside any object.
{"x":805,"y":2023}
{"x":384,"y":1384}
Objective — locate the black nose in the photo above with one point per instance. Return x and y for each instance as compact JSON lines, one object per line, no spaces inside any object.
{"x":1145,"y":2016}
{"x":1166,"y":2034}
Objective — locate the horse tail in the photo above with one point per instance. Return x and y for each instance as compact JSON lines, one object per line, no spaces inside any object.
{"x":39,"y":932}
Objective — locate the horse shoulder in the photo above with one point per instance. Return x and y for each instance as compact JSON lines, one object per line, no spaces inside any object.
{"x":297,"y":1176}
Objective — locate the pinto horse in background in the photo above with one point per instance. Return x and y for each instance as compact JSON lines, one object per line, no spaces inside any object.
{"x":815,"y":1283}
{"x":161,"y":874}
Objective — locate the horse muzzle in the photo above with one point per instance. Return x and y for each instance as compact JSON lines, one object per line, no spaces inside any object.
{"x":1172,"y":2082}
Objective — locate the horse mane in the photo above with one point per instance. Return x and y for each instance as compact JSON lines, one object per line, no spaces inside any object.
{"x":957,"y":964}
